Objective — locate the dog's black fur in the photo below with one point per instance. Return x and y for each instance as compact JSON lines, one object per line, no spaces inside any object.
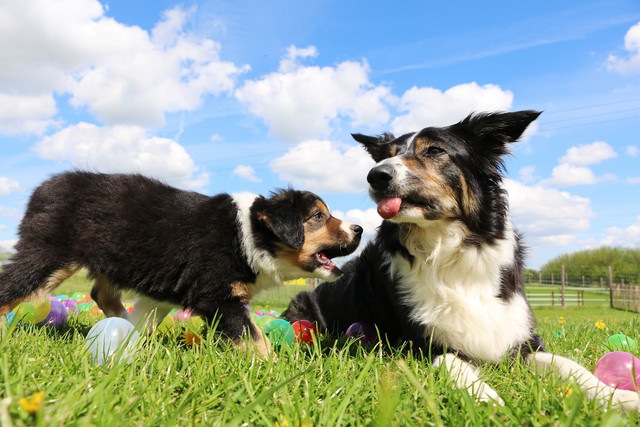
{"x":186,"y":248}
{"x":445,"y":268}
{"x":369,"y":291}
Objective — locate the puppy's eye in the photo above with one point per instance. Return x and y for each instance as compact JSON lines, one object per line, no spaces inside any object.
{"x":318,"y":216}
{"x":433,"y":151}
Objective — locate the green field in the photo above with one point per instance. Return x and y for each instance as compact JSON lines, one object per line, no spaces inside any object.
{"x":332,"y":383}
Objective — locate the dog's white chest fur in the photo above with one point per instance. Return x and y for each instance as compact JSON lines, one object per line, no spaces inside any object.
{"x":454,"y":288}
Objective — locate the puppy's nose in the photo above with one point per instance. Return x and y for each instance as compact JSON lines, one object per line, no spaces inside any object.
{"x":380,"y":176}
{"x":356,"y":229}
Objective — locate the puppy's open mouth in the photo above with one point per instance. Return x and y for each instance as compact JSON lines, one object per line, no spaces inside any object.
{"x":325,"y":262}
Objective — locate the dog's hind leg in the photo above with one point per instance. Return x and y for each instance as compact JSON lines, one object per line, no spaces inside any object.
{"x":465,"y":376}
{"x":30,"y":278}
{"x":108,"y":298}
{"x":594,"y":389}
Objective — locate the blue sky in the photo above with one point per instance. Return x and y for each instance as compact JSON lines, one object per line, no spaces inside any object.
{"x":230,"y":96}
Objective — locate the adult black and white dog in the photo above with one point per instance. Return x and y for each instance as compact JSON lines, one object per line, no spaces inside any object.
{"x":445,"y":269}
{"x":210,"y":254}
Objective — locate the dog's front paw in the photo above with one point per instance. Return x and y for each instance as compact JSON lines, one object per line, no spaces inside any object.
{"x":483,"y":393}
{"x":626,"y":400}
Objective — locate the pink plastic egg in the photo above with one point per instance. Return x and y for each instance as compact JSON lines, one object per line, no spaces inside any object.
{"x":618,"y":369}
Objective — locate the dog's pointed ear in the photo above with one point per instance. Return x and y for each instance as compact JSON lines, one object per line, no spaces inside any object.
{"x":283,"y":220}
{"x":379,"y":147}
{"x":499,"y":127}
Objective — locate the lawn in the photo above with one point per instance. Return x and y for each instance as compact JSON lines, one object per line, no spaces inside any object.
{"x":328,"y":384}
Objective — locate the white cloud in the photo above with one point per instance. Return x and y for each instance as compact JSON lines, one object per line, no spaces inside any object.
{"x":303,"y":102}
{"x":632,"y":45}
{"x":325,"y":167}
{"x":572,"y":169}
{"x":589,"y":154}
{"x":26,"y":113}
{"x":526,"y":174}
{"x":627,"y":237}
{"x":7,"y":245}
{"x":633,"y":180}
{"x":122,"y":149}
{"x":565,"y":175}
{"x":8,"y":185}
{"x":424,"y":106}
{"x":246,"y":172}
{"x":547,"y":216}
{"x":121,"y":73}
{"x":633,"y":150}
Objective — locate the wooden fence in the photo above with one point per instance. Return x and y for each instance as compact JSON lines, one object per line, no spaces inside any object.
{"x":625,"y":297}
{"x":539,"y":296}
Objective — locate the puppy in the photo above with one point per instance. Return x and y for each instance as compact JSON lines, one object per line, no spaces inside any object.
{"x":211,"y":254}
{"x":445,"y":268}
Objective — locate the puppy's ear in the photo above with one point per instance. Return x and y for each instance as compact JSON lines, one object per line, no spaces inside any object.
{"x":379,"y":147}
{"x":284,"y":221}
{"x":499,"y":128}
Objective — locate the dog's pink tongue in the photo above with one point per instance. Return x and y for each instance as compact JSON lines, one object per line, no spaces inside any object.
{"x":388,"y":208}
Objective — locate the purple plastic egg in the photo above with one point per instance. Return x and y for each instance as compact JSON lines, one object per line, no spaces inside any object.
{"x":57,"y":315}
{"x":363,"y":332}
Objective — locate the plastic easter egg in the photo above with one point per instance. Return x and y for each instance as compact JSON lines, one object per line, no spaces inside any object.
{"x":129,"y":306}
{"x":182,"y":315}
{"x":57,"y":315}
{"x":80,"y":296}
{"x":33,"y":312}
{"x":62,"y":297}
{"x":305,"y":330}
{"x":167,"y":325}
{"x":364,"y":332}
{"x":112,"y":336}
{"x":196,"y":324}
{"x":263,"y":321}
{"x":280,"y":332}
{"x":71,"y":305}
{"x":10,"y":317}
{"x":620,"y":342}
{"x":96,"y":311}
{"x":618,"y":369}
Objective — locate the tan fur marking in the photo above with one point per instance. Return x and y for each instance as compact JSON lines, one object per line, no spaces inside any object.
{"x":107,"y":297}
{"x":242,"y":290}
{"x":57,"y":278}
{"x":52,"y":282}
{"x":260,"y":343}
{"x":469,"y":202}
{"x":435,"y":186}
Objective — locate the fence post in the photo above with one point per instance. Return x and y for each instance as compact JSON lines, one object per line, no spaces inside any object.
{"x":610,"y":287}
{"x":563,"y":282}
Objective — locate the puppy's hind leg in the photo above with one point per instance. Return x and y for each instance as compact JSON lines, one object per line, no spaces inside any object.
{"x":108,"y":297}
{"x":465,"y":376}
{"x":594,"y":389}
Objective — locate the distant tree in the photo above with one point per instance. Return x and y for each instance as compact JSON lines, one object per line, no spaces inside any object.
{"x":591,"y":267}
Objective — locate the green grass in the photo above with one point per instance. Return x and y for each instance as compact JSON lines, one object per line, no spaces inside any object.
{"x":329,"y":384}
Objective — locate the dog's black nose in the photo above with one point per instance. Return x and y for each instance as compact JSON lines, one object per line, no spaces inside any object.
{"x":380,"y":176}
{"x":356,"y":229}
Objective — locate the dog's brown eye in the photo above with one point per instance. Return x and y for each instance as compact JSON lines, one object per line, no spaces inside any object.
{"x":433,"y":151}
{"x":318,"y":216}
